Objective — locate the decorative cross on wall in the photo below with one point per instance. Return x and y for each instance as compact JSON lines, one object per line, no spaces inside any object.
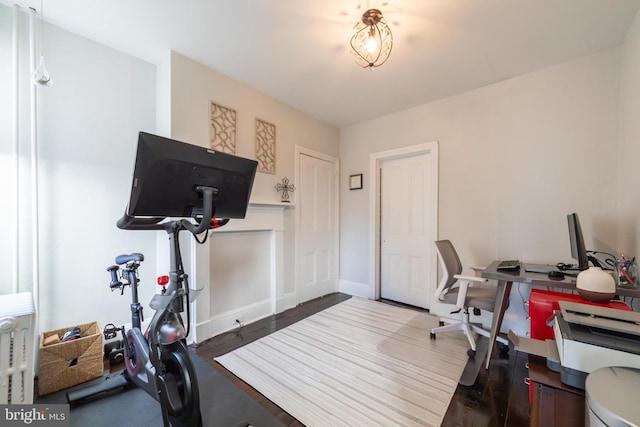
{"x":285,"y":187}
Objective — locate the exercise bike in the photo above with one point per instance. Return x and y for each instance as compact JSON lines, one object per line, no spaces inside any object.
{"x":157,"y":360}
{"x":171,"y":180}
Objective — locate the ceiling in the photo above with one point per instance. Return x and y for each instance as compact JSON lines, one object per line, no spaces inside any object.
{"x":297,"y":51}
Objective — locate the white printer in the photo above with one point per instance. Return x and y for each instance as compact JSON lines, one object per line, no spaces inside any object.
{"x":590,"y":337}
{"x":587,"y":338}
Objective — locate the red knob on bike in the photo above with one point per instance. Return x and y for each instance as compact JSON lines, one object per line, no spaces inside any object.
{"x":163,"y":280}
{"x":218,"y":222}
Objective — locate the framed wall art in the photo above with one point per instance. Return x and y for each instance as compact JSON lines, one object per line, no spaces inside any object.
{"x":355,"y":182}
{"x":266,"y":146}
{"x":222,"y":128}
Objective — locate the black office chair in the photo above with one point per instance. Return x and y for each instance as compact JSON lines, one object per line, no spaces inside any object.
{"x":454,"y":289}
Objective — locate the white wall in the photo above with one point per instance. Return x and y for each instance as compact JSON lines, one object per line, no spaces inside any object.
{"x":526,"y":151}
{"x":515,"y":158}
{"x":629,"y":131}
{"x":87,"y":126}
{"x":88,"y":129}
{"x":193,"y":86}
{"x":6,"y":163}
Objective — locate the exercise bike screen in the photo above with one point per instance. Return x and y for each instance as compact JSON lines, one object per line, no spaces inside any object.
{"x":167,"y":172}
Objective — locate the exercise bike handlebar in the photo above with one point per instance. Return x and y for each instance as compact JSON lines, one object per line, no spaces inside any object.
{"x":115,"y":283}
{"x":128,"y":222}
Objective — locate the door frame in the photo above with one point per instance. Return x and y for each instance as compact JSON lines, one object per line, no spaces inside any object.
{"x":300,"y":150}
{"x":375,"y":163}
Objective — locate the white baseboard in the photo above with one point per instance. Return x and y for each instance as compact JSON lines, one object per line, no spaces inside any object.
{"x":202,"y":332}
{"x":227,"y":321}
{"x":355,"y":288}
{"x":288,"y":301}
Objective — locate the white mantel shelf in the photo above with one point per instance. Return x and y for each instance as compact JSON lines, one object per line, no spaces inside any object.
{"x":274,"y":204}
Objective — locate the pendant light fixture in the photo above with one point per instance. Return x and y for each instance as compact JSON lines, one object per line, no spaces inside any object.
{"x":40,"y":76}
{"x":372,"y":42}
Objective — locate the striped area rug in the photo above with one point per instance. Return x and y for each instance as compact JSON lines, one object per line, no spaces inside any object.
{"x":358,"y":363}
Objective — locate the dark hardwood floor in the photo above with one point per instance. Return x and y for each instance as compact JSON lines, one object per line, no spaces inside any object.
{"x":499,"y":396}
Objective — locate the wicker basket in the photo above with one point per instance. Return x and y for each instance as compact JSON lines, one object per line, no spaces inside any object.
{"x":66,"y":364}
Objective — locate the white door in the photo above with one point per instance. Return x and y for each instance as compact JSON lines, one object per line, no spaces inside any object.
{"x":406,"y":237}
{"x":318,"y":227}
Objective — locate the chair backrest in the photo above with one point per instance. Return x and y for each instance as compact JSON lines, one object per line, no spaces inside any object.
{"x":451,"y":266}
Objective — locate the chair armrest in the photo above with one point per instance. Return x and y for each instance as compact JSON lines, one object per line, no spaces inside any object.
{"x":477,"y":272}
{"x":470,"y":278}
{"x":463,"y":285}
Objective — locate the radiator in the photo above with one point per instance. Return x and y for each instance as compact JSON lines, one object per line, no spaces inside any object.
{"x":17,"y":340}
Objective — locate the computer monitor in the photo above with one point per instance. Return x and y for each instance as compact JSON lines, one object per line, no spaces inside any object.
{"x":578,"y":249}
{"x":167,"y":172}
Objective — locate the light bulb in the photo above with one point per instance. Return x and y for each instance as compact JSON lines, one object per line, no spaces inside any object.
{"x":372,"y":45}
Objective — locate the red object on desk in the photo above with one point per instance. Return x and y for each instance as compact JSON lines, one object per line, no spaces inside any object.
{"x":542,"y":303}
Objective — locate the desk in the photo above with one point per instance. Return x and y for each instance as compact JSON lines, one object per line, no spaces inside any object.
{"x":505,"y":280}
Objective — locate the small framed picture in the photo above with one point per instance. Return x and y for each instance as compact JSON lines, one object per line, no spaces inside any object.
{"x":355,"y":182}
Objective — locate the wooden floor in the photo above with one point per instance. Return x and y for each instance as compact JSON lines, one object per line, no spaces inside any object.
{"x":498,"y":398}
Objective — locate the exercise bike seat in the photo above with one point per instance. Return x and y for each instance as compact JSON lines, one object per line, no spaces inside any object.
{"x":123,"y":259}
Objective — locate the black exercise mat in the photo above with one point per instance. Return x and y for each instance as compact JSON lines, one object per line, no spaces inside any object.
{"x":221,"y":404}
